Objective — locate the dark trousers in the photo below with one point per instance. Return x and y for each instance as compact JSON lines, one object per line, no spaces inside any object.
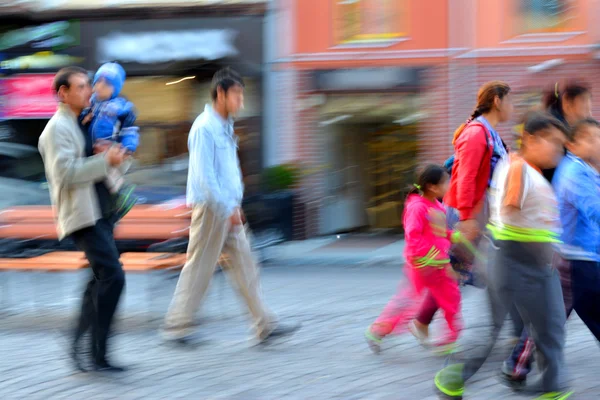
{"x":104,"y":289}
{"x":522,"y":276}
{"x":580,"y":282}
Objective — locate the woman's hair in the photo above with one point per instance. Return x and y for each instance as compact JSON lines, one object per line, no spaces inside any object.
{"x":431,"y":174}
{"x":537,"y":121}
{"x":579,"y":128}
{"x":554,"y":95}
{"x":485,"y":101}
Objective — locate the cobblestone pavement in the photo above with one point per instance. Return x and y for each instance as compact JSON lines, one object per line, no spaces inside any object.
{"x":327,"y":359}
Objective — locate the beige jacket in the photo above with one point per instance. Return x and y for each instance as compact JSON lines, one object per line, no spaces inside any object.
{"x":71,"y":175}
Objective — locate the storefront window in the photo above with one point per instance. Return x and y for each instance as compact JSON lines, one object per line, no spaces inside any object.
{"x":546,"y":15}
{"x":367,"y":21}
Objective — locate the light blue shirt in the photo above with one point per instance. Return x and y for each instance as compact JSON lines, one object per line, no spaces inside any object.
{"x":214,"y":174}
{"x":577,"y":187}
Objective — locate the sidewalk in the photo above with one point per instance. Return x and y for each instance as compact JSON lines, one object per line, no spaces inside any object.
{"x":357,"y":249}
{"x":327,"y":359}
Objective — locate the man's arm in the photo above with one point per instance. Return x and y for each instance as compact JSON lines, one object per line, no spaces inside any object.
{"x":202,"y":160}
{"x":60,"y":156}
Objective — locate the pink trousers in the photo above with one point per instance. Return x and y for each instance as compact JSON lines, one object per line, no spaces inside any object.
{"x":407,"y":301}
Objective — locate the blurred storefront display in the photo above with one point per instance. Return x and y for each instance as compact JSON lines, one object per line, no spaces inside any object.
{"x":27,"y":97}
{"x":373,"y":153}
{"x":169,"y":49}
{"x":373,"y":88}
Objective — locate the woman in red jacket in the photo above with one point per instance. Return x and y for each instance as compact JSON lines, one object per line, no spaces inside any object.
{"x":477,"y":149}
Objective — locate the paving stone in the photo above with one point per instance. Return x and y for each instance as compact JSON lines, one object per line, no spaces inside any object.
{"x":326,"y":359}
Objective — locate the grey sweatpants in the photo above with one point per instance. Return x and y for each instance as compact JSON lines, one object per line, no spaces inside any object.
{"x":521,"y":275}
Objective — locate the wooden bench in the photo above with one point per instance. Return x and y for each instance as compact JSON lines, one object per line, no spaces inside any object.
{"x":140,"y":212}
{"x":152,"y":223}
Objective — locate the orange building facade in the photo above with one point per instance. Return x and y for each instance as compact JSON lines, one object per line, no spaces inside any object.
{"x":367,"y":89}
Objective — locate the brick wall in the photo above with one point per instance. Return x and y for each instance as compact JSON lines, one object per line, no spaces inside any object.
{"x":450,"y":91}
{"x":311,"y":148}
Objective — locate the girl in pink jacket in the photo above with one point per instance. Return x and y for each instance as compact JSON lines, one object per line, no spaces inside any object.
{"x":427,"y":243}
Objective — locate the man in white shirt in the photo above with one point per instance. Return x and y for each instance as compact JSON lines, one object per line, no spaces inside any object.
{"x":215,"y":191}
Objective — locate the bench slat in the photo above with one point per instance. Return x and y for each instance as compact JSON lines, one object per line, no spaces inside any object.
{"x":141,"y":212}
{"x":139,"y":231}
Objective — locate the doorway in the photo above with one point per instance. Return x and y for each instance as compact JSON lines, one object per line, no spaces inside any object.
{"x":371,"y":153}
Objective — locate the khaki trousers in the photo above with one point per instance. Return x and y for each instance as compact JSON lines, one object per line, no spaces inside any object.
{"x":209,"y":237}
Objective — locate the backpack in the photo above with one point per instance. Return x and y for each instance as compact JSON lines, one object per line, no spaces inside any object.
{"x":449,"y":163}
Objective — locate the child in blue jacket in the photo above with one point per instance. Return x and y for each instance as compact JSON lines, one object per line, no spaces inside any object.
{"x":111,"y":118}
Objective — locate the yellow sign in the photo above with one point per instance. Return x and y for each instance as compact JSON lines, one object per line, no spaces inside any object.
{"x":368,"y":21}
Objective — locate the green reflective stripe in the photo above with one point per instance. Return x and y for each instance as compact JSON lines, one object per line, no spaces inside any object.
{"x":430,"y":259}
{"x":433,"y":263}
{"x":456,"y":237}
{"x":125,"y":197}
{"x":516,"y":234}
{"x":431,"y":253}
{"x":555,"y":396}
{"x":372,"y":337}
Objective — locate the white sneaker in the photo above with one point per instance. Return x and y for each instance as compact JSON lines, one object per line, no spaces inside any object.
{"x":423,"y":340}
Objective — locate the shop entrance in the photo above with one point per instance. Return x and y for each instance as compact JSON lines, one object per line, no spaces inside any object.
{"x":371,"y":153}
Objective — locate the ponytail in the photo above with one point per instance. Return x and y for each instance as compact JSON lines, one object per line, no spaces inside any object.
{"x":553,"y":96}
{"x":485,"y":102}
{"x":432,"y":174}
{"x":415,"y":189}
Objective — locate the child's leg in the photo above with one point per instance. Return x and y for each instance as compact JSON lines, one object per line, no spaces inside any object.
{"x":518,"y":364}
{"x":446,"y":292}
{"x":586,"y":294}
{"x":541,"y":306}
{"x":395,"y":312}
{"x":428,"y":309}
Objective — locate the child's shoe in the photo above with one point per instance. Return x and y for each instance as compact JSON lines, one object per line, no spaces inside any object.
{"x":421,"y":336}
{"x":125,"y":201}
{"x":555,"y":396}
{"x":450,"y":382}
{"x":510,"y":379}
{"x":446,"y":346}
{"x":374,"y":341}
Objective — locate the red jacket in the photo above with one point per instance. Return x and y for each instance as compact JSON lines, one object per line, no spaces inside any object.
{"x":471,"y":170}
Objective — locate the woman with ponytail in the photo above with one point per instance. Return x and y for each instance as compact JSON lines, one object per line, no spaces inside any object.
{"x":570,"y":103}
{"x":477,"y":149}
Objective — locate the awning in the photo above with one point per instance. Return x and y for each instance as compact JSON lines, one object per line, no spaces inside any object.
{"x":45,"y":8}
{"x":175,"y":46}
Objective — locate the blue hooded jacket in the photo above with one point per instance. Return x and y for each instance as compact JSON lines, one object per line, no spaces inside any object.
{"x":113,"y":119}
{"x":577,"y":187}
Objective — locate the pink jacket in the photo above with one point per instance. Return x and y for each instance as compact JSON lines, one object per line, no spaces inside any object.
{"x":427,"y":239}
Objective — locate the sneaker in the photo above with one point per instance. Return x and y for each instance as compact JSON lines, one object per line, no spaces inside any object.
{"x":445,"y":349}
{"x":280,"y":331}
{"x":507,"y":376}
{"x":418,"y":334}
{"x":373,"y":341}
{"x":450,"y":382}
{"x":555,"y":396}
{"x":446,"y":346}
{"x":535,"y":387}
